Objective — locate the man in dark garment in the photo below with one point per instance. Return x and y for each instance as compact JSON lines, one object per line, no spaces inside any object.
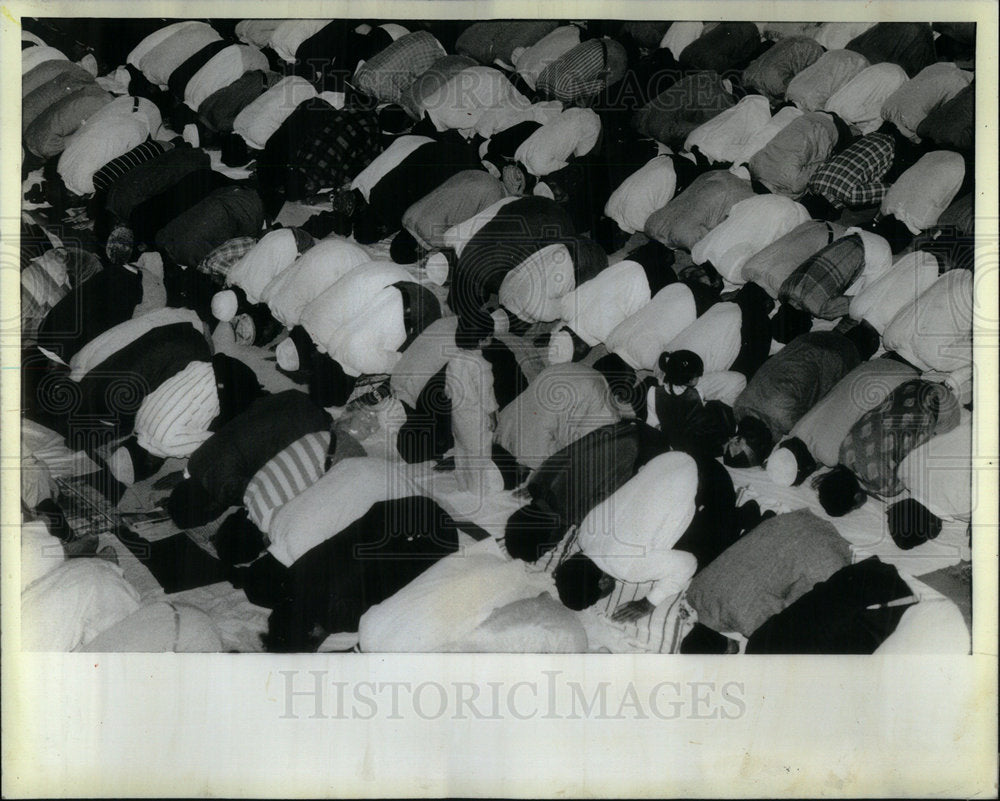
{"x":328,"y":589}
{"x":329,"y":58}
{"x":223,"y":465}
{"x":908,"y":44}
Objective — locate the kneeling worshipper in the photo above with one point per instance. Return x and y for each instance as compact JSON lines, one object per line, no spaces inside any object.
{"x":909,"y":105}
{"x":785,"y":387}
{"x":563,"y":403}
{"x":220,"y":469}
{"x":678,"y":110}
{"x":47,"y":278}
{"x":387,"y":74}
{"x":761,"y":574}
{"x":772,"y":71}
{"x":815,"y":439}
{"x":328,"y":589}
{"x":881,"y":301}
{"x":809,"y":89}
{"x":938,"y":476}
{"x":630,"y":537}
{"x":853,"y":179}
{"x":908,"y":44}
{"x":360,"y":325}
{"x":858,"y":102}
{"x":952,"y":125}
{"x":769,"y":268}
{"x":870,"y":454}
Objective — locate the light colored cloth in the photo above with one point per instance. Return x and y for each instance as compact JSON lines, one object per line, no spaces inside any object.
{"x":859,"y":101}
{"x":786,"y":163}
{"x":94,"y":145}
{"x":256,"y":31}
{"x":263,"y":116}
{"x":386,"y":162}
{"x":272,"y":254}
{"x":359,"y":319}
{"x":715,"y":337}
{"x":173,"y":419}
{"x":679,"y":35}
{"x":920,"y":194}
{"x":311,"y":274}
{"x":573,"y":133}
{"x":938,"y":83}
{"x":770,"y":267}
{"x":817,"y":83}
{"x":286,"y":38}
{"x":723,"y":385}
{"x":340,"y":497}
{"x":159,"y":63}
{"x":597,"y":306}
{"x":686,"y":219}
{"x":127,"y":106}
{"x":460,"y":234}
{"x":535,"y":288}
{"x":938,"y":473}
{"x":878,"y":260}
{"x":41,"y":553}
{"x":630,"y":535}
{"x":388,"y":74}
{"x":880,"y":301}
{"x":532,"y":61}
{"x":835,"y":35}
{"x":563,"y":403}
{"x":468,"y":384}
{"x":758,"y":140}
{"x":933,"y":626}
{"x":771,"y":72}
{"x":935,"y":331}
{"x":221,"y":70}
{"x":34,"y":56}
{"x":752,"y":225}
{"x":823,"y":428}
{"x":640,"y":338}
{"x":74,"y":603}
{"x":141,"y":50}
{"x":649,"y":188}
{"x":114,"y":339}
{"x":462,"y":196}
{"x":724,"y":137}
{"x":424,"y":357}
{"x":161,"y":627}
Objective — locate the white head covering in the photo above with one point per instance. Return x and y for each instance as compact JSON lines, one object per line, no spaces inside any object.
{"x":224,"y":305}
{"x":501,"y":322}
{"x":287,"y":355}
{"x":121,"y":467}
{"x":437,"y":268}
{"x":782,"y":468}
{"x":560,"y":347}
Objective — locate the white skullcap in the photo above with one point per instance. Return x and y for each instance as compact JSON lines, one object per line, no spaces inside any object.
{"x":287,"y":355}
{"x":782,"y":468}
{"x":224,"y":305}
{"x":437,"y":268}
{"x":560,"y":347}
{"x":542,"y":189}
{"x":501,"y":322}
{"x":121,"y":467}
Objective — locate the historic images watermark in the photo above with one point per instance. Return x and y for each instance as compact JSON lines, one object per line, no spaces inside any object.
{"x":320,"y":695}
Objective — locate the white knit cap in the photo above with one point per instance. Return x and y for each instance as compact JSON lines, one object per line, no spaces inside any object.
{"x":560,"y":347}
{"x":287,"y":355}
{"x":782,"y":467}
{"x":224,"y":305}
{"x":501,"y":322}
{"x":121,"y":467}
{"x":437,"y":268}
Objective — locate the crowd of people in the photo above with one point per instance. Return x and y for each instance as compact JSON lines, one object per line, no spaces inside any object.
{"x":593,"y":267}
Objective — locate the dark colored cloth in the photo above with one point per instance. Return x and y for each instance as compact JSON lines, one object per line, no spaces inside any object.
{"x":702,"y":640}
{"x":426,"y":434}
{"x":178,"y":80}
{"x":727,"y":46}
{"x":509,"y":380}
{"x":227,"y":213}
{"x":219,"y":109}
{"x":119,"y":167}
{"x":908,"y":44}
{"x":425,"y":169}
{"x":674,"y":113}
{"x":99,"y":303}
{"x":817,"y":285}
{"x":329,"y":385}
{"x":224,"y":464}
{"x":755,"y":329}
{"x":177,"y":563}
{"x":716,"y":525}
{"x":691,"y":424}
{"x":152,"y":177}
{"x":332,"y":585}
{"x":953,"y":123}
{"x":334,"y":47}
{"x":156,"y":212}
{"x":833,"y":617}
{"x":517,"y":231}
{"x":69,"y":79}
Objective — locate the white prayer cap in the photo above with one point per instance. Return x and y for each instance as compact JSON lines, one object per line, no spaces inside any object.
{"x":560,"y":347}
{"x":782,"y":468}
{"x":437,"y":268}
{"x":287,"y":355}
{"x":224,"y":305}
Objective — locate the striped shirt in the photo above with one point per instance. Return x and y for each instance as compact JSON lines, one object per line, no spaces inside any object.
{"x":118,"y":167}
{"x":173,"y":419}
{"x":286,"y":475}
{"x":853,"y":178}
{"x":580,"y":73}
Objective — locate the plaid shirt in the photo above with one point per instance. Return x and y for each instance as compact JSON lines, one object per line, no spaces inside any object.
{"x":387,"y":74}
{"x":221,"y":260}
{"x":853,"y":179}
{"x":343,"y":143}
{"x":817,"y":285}
{"x":116,"y":168}
{"x":581,"y":73}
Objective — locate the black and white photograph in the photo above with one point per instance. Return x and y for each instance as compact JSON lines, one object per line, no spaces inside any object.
{"x":625,"y":340}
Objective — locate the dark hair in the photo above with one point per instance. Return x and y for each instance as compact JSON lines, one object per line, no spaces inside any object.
{"x":681,"y":367}
{"x":818,"y":207}
{"x":865,"y":338}
{"x":531,"y":531}
{"x":393,"y":119}
{"x":190,"y":505}
{"x":757,"y":436}
{"x":578,"y":582}
{"x":238,"y":540}
{"x":789,"y":322}
{"x":839,"y":491}
{"x":911,"y":523}
{"x":237,"y":386}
